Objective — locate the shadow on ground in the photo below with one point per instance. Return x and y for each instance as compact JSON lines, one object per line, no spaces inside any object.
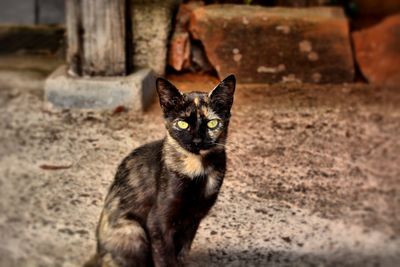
{"x":243,"y":258}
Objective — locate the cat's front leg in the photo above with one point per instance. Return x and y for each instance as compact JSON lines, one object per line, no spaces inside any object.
{"x":184,"y":241}
{"x":162,"y":241}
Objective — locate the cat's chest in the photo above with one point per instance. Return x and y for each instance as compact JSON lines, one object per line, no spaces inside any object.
{"x":192,"y":165}
{"x":198,"y":189}
{"x":200,"y":174}
{"x":195,"y":196}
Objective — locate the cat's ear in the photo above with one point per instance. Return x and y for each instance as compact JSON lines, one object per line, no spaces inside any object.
{"x":221,"y":98}
{"x":169,"y":95}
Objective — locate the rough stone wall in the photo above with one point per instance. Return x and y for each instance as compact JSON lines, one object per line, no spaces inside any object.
{"x":151,"y":27}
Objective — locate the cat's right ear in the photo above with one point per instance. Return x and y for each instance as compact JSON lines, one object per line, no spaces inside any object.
{"x":169,"y":95}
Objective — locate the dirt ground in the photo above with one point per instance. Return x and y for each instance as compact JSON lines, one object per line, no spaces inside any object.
{"x":313,"y":180}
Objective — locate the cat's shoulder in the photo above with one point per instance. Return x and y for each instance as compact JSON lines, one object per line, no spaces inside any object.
{"x":143,"y":158}
{"x":147,"y":151}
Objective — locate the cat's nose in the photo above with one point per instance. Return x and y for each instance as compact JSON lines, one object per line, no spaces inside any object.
{"x":196,"y":141}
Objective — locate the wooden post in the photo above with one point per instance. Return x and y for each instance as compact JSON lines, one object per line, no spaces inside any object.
{"x":74,"y":27}
{"x":97,"y":37}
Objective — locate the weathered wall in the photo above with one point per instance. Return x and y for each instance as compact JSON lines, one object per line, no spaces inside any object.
{"x":32,"y":11}
{"x":17,"y":11}
{"x":51,"y":11}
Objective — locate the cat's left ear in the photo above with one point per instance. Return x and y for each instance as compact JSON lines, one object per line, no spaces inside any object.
{"x":221,"y":98}
{"x":169,"y":95}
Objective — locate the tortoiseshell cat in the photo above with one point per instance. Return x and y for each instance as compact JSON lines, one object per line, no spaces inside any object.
{"x":162,"y":190}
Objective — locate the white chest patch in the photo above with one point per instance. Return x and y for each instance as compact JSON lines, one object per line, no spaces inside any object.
{"x":211,"y":186}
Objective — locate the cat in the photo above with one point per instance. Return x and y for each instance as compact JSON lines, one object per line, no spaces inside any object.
{"x":162,"y":190}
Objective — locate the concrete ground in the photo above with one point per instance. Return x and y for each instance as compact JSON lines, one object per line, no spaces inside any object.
{"x":313,"y":180}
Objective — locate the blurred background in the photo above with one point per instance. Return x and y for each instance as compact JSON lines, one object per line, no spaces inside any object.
{"x":314,"y":148}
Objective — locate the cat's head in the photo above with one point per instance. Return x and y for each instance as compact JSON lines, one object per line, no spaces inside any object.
{"x":197,"y":120}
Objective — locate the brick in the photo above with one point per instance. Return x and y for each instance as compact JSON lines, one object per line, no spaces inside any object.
{"x":377,"y":51}
{"x":179,"y":48}
{"x":179,"y":51}
{"x":266,"y":45}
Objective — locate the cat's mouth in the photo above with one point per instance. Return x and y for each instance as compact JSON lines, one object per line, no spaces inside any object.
{"x":200,"y":148}
{"x":194,"y":149}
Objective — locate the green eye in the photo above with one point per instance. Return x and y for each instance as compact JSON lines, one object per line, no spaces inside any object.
{"x":212,"y":124}
{"x":182,"y":124}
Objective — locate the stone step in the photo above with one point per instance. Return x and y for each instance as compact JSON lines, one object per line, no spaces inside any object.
{"x":135,"y":91}
{"x":267,"y":45}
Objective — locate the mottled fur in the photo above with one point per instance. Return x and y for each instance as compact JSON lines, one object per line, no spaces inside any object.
{"x":162,"y":190}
